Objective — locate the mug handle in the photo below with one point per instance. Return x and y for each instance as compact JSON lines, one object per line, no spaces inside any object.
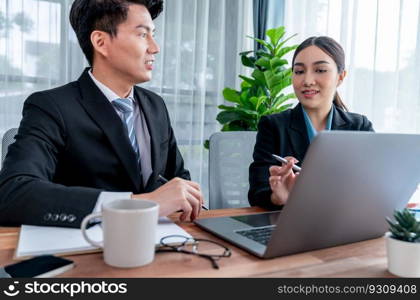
{"x":83,"y":228}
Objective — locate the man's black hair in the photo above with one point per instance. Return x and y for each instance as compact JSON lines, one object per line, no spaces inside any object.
{"x":105,"y":15}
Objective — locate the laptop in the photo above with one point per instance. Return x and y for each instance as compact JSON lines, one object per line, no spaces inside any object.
{"x":350,"y":181}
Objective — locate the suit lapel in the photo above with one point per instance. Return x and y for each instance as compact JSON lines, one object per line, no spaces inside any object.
{"x":339,"y":121}
{"x":297,"y":132}
{"x":102,"y":112}
{"x":151,"y":119}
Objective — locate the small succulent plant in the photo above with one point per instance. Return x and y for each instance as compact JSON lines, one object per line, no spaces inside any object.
{"x":406,"y":227}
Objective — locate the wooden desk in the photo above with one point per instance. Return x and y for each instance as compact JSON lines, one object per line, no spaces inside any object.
{"x":363,"y":259}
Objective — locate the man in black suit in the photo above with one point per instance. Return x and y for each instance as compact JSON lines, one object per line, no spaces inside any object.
{"x":101,"y":137}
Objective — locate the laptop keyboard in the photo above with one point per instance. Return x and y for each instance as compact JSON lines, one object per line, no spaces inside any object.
{"x":260,"y":235}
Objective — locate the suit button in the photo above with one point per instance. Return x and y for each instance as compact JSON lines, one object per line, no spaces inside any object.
{"x":71,"y":218}
{"x":54,"y":217}
{"x":63,"y":217}
{"x":47,"y":217}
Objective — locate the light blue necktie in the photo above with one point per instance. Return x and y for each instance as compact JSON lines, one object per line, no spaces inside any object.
{"x":125,"y":106}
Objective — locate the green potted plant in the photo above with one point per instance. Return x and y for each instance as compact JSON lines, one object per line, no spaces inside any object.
{"x":262,"y":93}
{"x":403,"y":244}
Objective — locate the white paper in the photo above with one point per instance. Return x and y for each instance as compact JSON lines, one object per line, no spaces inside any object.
{"x":39,"y":240}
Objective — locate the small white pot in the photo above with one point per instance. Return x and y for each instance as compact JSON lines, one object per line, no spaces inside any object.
{"x":403,"y":257}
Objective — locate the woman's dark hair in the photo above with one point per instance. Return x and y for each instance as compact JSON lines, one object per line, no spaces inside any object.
{"x":105,"y":15}
{"x":334,"y":50}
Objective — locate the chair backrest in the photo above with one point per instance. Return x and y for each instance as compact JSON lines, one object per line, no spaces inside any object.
{"x":230,"y":155}
{"x":8,"y":138}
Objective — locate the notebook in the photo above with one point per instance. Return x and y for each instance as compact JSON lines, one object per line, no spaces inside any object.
{"x":40,"y":240}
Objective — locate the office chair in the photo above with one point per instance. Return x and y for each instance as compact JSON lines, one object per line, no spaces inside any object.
{"x":8,"y":138}
{"x":230,"y":155}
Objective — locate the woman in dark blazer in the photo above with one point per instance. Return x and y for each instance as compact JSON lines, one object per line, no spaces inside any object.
{"x":318,"y":69}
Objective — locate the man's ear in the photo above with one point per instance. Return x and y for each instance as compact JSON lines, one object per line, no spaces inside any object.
{"x":100,"y":40}
{"x":341,"y":77}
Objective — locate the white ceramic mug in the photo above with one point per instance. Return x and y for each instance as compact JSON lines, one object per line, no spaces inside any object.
{"x":129,"y":228}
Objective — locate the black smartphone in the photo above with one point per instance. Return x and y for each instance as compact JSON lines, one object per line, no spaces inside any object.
{"x":40,"y":267}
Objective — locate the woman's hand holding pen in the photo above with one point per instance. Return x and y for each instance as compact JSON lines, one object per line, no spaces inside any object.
{"x":177,"y":194}
{"x":282,"y":180}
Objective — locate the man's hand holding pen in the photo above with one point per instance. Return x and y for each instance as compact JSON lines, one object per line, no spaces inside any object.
{"x":164,"y":180}
{"x":177,"y":195}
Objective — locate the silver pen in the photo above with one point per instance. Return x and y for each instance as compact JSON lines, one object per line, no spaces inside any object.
{"x":283,"y":160}
{"x":163,"y":179}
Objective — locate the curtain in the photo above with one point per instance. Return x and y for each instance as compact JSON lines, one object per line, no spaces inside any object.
{"x":275,"y":13}
{"x":199,"y":39}
{"x":381,"y":39}
{"x":260,"y":20}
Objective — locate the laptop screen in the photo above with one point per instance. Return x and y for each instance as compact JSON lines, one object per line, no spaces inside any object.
{"x":258,"y":220}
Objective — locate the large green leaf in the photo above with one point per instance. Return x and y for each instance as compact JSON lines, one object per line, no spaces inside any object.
{"x":254,"y":90}
{"x":280,"y":78}
{"x":245,"y":103}
{"x":247,"y":61}
{"x":263,"y":53}
{"x":245,"y":85}
{"x":248,"y":113}
{"x":275,"y":110}
{"x":263,"y":62}
{"x":282,"y":51}
{"x":235,"y":126}
{"x":284,"y":107}
{"x":259,"y":77}
{"x":231,"y":95}
{"x":245,"y":52}
{"x":277,"y":62}
{"x":245,"y":94}
{"x":264,"y":43}
{"x":285,"y":82}
{"x":275,"y":34}
{"x":225,"y":107}
{"x":247,"y":79}
{"x":261,"y":100}
{"x":254,"y":101}
{"x":276,"y":87}
{"x":228,"y":116}
{"x":263,"y":107}
{"x":262,"y":91}
{"x":268,"y":75}
{"x":284,"y":42}
{"x":280,"y":100}
{"x":279,"y":75}
{"x":276,"y":90}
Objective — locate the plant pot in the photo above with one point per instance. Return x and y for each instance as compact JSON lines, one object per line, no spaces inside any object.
{"x":403,"y":257}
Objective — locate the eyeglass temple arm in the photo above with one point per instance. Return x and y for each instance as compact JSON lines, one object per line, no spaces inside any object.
{"x":211,"y":259}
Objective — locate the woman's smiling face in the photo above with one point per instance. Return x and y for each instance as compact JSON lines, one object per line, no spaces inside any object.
{"x":315,"y":78}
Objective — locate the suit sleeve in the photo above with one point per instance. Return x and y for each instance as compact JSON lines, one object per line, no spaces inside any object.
{"x":28,"y":193}
{"x":259,"y":187}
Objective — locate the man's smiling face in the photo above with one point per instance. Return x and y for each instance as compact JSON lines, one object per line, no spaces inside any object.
{"x":132,"y":51}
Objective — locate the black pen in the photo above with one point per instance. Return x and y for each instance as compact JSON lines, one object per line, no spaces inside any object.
{"x":164,"y":180}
